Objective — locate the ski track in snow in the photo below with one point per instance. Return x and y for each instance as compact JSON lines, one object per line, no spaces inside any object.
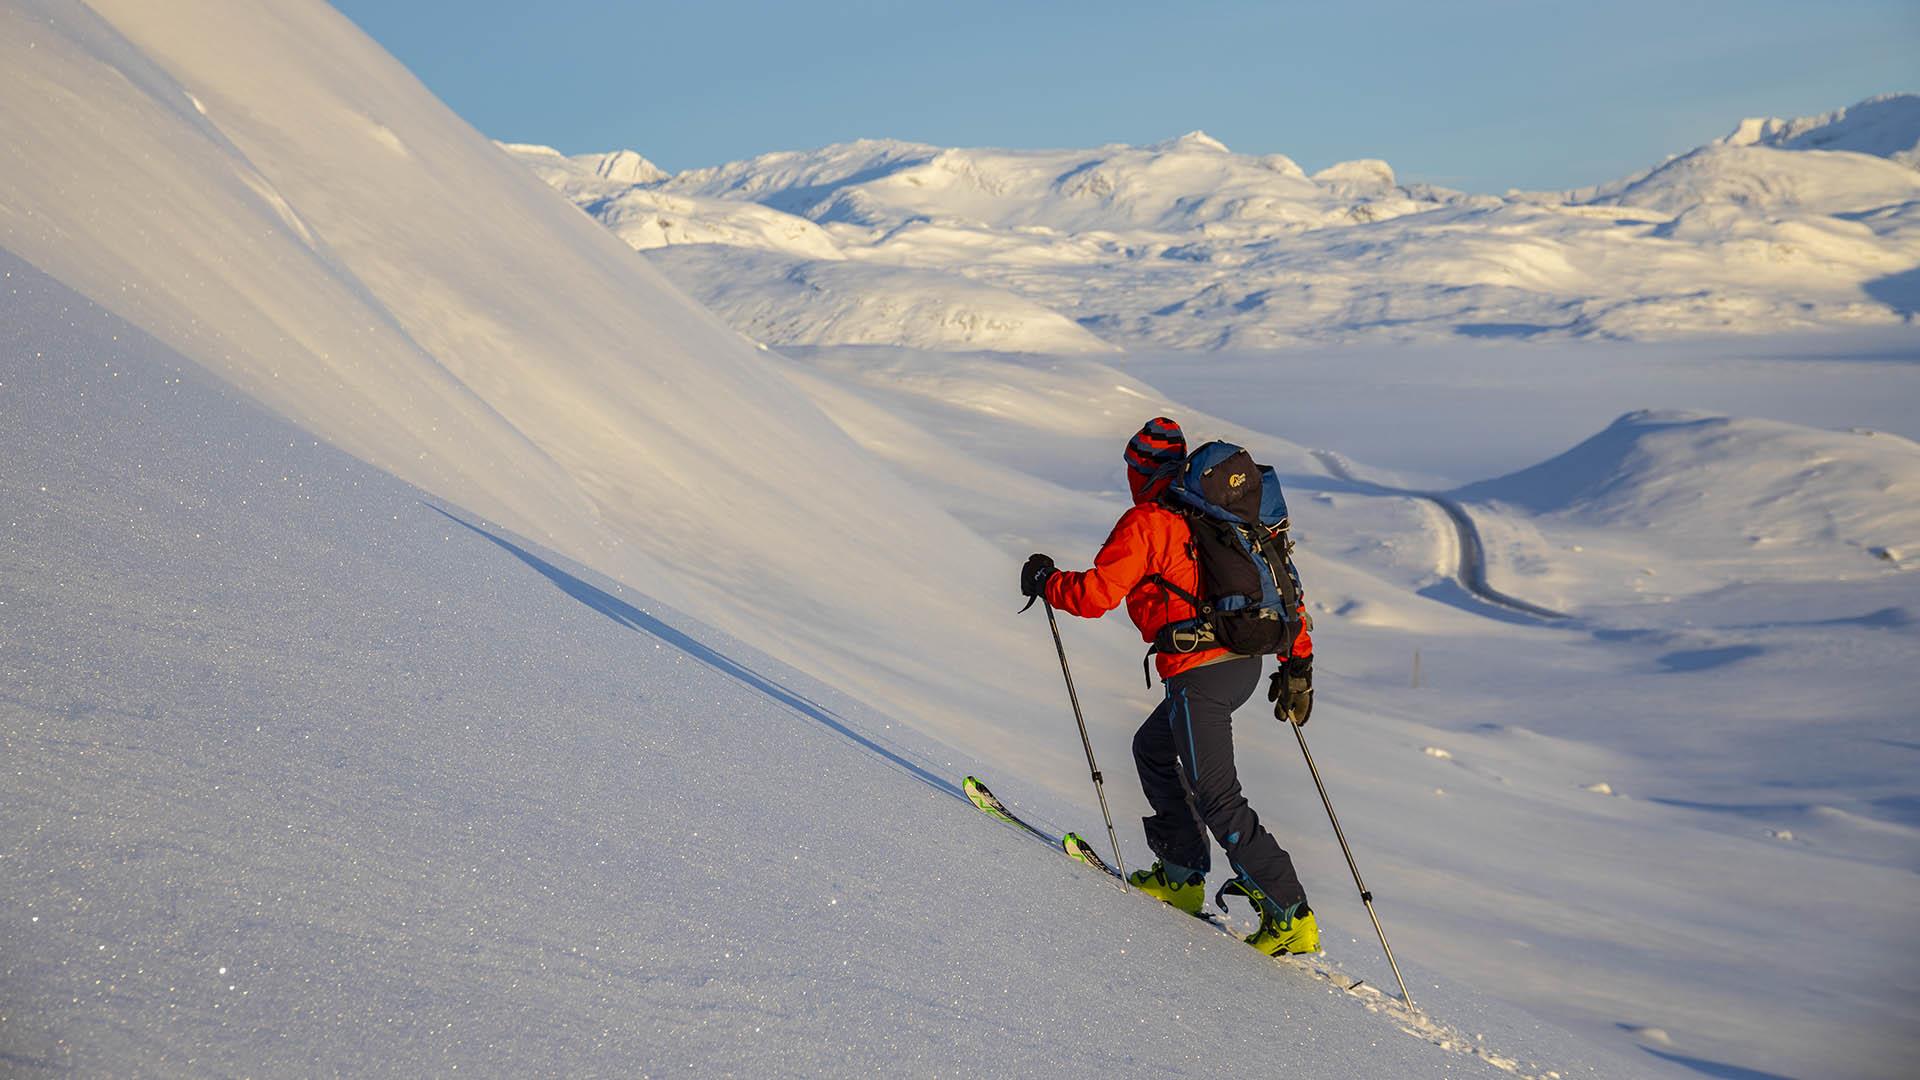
{"x":1410,"y":1020}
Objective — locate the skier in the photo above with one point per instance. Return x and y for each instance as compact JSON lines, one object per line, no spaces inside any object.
{"x":1184,"y":750}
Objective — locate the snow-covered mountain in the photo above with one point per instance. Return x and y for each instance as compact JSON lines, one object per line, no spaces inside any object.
{"x":1782,"y":225}
{"x":783,"y":279}
{"x":1887,"y":126}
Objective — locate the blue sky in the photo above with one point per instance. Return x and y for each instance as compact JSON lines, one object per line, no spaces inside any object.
{"x":1481,"y":95}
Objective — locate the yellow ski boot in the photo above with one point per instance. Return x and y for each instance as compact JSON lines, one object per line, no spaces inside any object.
{"x":1189,"y":895}
{"x":1287,"y":935}
{"x":1287,"y":931}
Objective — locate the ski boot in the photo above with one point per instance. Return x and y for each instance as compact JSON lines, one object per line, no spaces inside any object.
{"x":1189,"y":894}
{"x":1290,"y":934}
{"x":1287,"y":931}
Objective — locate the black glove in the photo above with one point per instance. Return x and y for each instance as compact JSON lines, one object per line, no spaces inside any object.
{"x":1034,"y":575}
{"x":1291,"y":690}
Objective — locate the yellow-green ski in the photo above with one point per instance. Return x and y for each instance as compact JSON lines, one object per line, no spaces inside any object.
{"x":1072,"y":843}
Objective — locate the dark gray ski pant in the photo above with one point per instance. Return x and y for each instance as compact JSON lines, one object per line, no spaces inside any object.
{"x":1185,"y":755}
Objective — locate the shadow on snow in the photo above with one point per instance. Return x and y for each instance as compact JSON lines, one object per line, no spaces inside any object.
{"x":633,"y":618}
{"x":1719,"y":1069}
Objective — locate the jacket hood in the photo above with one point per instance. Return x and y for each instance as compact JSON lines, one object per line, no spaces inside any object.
{"x":1147,"y":489}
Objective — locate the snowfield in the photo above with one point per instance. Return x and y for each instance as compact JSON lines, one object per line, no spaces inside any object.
{"x":430,"y":639}
{"x":1783,"y":225}
{"x":309,"y":774}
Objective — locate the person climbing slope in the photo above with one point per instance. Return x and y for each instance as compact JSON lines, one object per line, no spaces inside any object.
{"x":1215,"y":510}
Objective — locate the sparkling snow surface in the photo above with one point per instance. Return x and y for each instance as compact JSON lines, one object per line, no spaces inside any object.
{"x":439,"y":778}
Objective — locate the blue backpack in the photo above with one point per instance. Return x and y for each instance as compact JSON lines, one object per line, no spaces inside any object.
{"x":1249,"y":600}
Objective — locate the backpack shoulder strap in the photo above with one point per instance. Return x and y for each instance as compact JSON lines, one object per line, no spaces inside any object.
{"x":1199,"y":605}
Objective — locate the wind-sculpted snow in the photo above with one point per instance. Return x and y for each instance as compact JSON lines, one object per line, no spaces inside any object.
{"x":282,"y":202}
{"x":1783,"y":225}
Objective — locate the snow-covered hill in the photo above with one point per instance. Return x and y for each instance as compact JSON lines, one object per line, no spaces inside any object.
{"x":1701,"y":501}
{"x":1782,"y":482}
{"x":1782,"y":225}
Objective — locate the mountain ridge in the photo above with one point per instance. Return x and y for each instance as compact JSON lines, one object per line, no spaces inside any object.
{"x":1782,"y":225}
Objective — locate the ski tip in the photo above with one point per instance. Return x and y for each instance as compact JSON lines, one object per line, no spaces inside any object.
{"x":1076,"y":846}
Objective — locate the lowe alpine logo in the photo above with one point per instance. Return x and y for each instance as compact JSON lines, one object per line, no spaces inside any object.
{"x":1236,"y":480}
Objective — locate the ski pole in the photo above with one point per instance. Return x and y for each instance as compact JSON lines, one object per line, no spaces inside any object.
{"x":1099,"y":788}
{"x":1366,"y":897}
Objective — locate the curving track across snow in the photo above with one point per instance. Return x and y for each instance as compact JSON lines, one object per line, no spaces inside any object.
{"x":1472,"y":569}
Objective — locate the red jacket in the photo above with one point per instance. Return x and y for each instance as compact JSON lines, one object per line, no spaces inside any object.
{"x":1148,"y":539}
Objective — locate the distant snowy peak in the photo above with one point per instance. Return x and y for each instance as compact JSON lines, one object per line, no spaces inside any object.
{"x":621,"y":191}
{"x":1887,"y":126}
{"x":791,"y":180}
{"x":623,"y":166}
{"x":1869,"y":161}
{"x":1193,"y":140}
{"x":1368,"y":176}
{"x":620,"y":166}
{"x":1763,"y":177}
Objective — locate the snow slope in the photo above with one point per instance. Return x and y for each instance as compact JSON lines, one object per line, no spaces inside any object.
{"x":280,"y":201}
{"x":1782,"y":225}
{"x":310,"y":774}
